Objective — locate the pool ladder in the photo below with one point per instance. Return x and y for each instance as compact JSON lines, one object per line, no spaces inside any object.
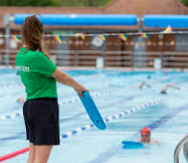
{"x":184,"y":143}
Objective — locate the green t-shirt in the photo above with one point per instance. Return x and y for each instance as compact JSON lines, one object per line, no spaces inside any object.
{"x":35,"y":70}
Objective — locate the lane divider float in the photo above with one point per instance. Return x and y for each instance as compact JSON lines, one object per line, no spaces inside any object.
{"x":89,"y":126}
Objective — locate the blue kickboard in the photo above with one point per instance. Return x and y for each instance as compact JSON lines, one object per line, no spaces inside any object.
{"x":92,"y":111}
{"x":132,"y":145}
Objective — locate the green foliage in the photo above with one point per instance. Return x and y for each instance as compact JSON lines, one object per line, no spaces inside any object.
{"x":185,"y":2}
{"x":27,"y":3}
{"x":68,"y":3}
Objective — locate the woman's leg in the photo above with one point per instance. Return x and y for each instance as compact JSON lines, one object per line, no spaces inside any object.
{"x":42,"y":153}
{"x":32,"y":150}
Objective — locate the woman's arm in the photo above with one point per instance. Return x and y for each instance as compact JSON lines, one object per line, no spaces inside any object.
{"x":65,"y":79}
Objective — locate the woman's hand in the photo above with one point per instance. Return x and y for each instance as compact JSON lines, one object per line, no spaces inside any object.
{"x":80,"y":89}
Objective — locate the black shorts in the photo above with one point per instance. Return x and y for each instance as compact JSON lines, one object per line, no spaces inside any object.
{"x":41,"y":117}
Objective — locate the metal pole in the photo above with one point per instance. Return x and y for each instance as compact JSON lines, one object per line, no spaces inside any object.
{"x":76,"y":59}
{"x":140,"y":40}
{"x":7,"y":33}
{"x":139,"y":48}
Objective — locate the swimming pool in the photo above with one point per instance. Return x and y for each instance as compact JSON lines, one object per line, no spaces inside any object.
{"x":114,"y":91}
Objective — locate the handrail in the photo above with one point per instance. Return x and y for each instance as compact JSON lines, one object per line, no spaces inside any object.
{"x":178,"y":148}
{"x":110,"y":58}
{"x":185,"y":150}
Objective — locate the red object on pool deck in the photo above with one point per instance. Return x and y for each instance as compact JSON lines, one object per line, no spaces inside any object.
{"x":13,"y":154}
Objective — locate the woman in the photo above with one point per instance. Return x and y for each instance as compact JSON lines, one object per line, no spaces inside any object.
{"x":39,"y":75}
{"x":145,"y":134}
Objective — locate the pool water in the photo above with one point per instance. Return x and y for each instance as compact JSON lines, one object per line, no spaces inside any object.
{"x":113,"y":92}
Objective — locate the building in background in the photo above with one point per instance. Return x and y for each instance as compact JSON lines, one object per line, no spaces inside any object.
{"x":122,"y":52}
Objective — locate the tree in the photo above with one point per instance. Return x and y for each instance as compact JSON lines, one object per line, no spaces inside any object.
{"x":79,"y":3}
{"x":27,"y":3}
{"x":68,"y":3}
{"x":185,"y":2}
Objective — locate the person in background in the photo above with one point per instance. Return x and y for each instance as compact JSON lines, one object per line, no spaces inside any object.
{"x":164,"y":90}
{"x":21,"y":100}
{"x":142,"y":85}
{"x":145,"y":135}
{"x":145,"y":84}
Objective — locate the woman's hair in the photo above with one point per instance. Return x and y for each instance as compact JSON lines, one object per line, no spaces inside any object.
{"x":32,"y":30}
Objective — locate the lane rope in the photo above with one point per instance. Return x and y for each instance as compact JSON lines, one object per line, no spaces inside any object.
{"x":66,"y":102}
{"x":89,"y":126}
